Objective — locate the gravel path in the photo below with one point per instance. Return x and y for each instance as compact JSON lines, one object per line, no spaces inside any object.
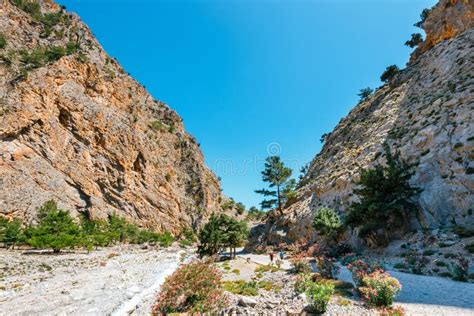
{"x":120,"y":281}
{"x":420,"y":295}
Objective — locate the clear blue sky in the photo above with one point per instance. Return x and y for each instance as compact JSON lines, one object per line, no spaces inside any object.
{"x":253,"y":76}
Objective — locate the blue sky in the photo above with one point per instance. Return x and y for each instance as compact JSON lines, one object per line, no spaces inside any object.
{"x":253,"y":77}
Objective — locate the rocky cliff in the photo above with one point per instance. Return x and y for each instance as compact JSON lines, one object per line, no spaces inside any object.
{"x":425,"y":113}
{"x":76,"y":128}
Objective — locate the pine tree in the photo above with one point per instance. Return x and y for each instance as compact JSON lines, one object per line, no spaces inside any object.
{"x":56,"y":229}
{"x":278,"y":177}
{"x":327,"y":223}
{"x":386,"y":199}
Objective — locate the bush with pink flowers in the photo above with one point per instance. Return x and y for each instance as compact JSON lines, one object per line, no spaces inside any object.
{"x":379,"y":289}
{"x":193,"y":288}
{"x":361,"y":268}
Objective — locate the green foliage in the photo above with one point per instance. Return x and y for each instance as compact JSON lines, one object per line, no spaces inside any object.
{"x":415,"y":40}
{"x":424,"y":14}
{"x":324,"y":137}
{"x":11,"y":232}
{"x":255,"y":214}
{"x":31,"y":7}
{"x":327,"y":222}
{"x":72,"y":47}
{"x":389,"y":73}
{"x":241,"y":287}
{"x":365,"y":93}
{"x":277,"y":175}
{"x":469,"y":248}
{"x":240,"y":208}
{"x":385,"y":200}
{"x":40,"y":56}
{"x":56,"y":229}
{"x":194,"y":288}
{"x":327,"y":267}
{"x":379,"y":289}
{"x":319,"y":295}
{"x":266,"y":268}
{"x":219,"y":232}
{"x":3,"y":41}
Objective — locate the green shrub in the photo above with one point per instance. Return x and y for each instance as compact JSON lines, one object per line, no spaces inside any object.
{"x":11,"y":232}
{"x":327,"y":222}
{"x":302,"y":283}
{"x":400,"y":266}
{"x":460,"y":270}
{"x":469,"y":248}
{"x":365,"y":93}
{"x":415,"y":40}
{"x":327,"y":267}
{"x":441,"y":263}
{"x":31,"y":7}
{"x":3,"y":41}
{"x":56,"y":229}
{"x":319,"y":295}
{"x":428,"y":252}
{"x":449,"y":255}
{"x":386,"y":200}
{"x":463,"y":232}
{"x":266,"y":268}
{"x":379,"y":289}
{"x":241,"y":287}
{"x":194,"y":288}
{"x":389,"y":73}
{"x":361,"y":268}
{"x":300,"y":264}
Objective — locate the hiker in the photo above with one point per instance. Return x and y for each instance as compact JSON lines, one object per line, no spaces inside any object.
{"x":271,"y":257}
{"x":282,"y":255}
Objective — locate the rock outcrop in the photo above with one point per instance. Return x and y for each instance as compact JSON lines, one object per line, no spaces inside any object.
{"x":76,"y":128}
{"x":425,"y":113}
{"x":445,"y":20}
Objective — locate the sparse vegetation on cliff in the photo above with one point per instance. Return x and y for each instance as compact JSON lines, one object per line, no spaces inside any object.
{"x":386,"y":203}
{"x":389,"y":73}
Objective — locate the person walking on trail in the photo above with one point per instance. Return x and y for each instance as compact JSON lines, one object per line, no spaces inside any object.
{"x":271,"y":257}
{"x":282,"y":255}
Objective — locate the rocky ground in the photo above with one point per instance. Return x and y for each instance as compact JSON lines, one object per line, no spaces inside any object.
{"x":119,"y":280}
{"x":420,"y":295}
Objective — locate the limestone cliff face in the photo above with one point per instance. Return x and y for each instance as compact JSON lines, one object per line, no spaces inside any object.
{"x":446,"y":20}
{"x":425,"y":113}
{"x":76,"y":128}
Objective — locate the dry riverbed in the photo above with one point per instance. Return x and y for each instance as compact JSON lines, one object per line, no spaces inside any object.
{"x":117,"y":280}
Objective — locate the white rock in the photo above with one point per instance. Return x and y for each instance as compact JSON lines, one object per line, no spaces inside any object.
{"x":247,"y":301}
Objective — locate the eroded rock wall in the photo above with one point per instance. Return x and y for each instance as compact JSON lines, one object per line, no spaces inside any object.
{"x":83,"y":132}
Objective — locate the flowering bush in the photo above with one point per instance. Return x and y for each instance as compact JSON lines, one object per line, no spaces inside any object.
{"x":379,"y":288}
{"x":193,"y":288}
{"x":319,"y":295}
{"x":361,"y":268}
{"x":300,"y":264}
{"x":392,"y":311}
{"x":327,"y":267}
